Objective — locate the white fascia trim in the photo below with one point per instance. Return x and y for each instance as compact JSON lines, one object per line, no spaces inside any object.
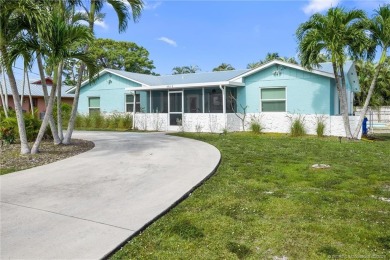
{"x":286,"y":64}
{"x":188,"y":85}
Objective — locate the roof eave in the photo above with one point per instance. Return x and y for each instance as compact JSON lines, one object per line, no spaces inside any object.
{"x":271,"y":63}
{"x":187,"y":85}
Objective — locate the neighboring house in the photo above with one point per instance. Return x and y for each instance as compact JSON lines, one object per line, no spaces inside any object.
{"x":37,"y":95}
{"x":272,"y":94}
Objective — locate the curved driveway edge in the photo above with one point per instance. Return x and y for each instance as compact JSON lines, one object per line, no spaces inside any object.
{"x":86,"y":206}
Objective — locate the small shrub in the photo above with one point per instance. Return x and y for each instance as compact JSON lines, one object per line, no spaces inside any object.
{"x":320,"y":128}
{"x":97,"y":120}
{"x":255,"y":127}
{"x":32,"y":125}
{"x":8,"y":130}
{"x":66,"y":112}
{"x":298,"y":127}
{"x":198,"y":128}
{"x":113,"y":121}
{"x":79,"y":121}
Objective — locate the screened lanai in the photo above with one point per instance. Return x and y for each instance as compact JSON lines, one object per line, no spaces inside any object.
{"x":177,"y":100}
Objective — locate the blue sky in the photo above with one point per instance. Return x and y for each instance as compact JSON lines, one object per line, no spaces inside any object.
{"x":207,"y":33}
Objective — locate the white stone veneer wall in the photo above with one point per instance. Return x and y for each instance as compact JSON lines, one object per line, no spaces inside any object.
{"x":271,"y":122}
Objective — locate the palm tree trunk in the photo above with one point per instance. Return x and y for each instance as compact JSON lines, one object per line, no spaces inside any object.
{"x":3,"y":100}
{"x":52,"y":123}
{"x":5,"y":87}
{"x":367,"y":102}
{"x":24,"y":82}
{"x":344,"y":104}
{"x":72,"y":119}
{"x":59,"y":108}
{"x":341,"y":91}
{"x":48,"y":114}
{"x":24,"y":148}
{"x":29,"y":95}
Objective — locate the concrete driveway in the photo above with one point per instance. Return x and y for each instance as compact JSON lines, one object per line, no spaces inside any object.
{"x":85,"y":206}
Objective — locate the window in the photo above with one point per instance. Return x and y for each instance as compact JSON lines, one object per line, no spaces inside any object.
{"x":130,"y":103}
{"x":273,"y":99}
{"x":94,"y":105}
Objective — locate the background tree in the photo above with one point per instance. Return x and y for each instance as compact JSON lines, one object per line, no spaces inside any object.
{"x":333,"y":33}
{"x":381,"y":95}
{"x":270,"y":56}
{"x":121,"y":55}
{"x":379,"y":33}
{"x":185,"y":69}
{"x":125,"y":10}
{"x":224,"y":67}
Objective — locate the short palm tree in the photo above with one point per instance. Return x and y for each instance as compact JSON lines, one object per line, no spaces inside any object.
{"x":379,"y":28}
{"x":14,"y":18}
{"x":62,"y":41}
{"x":333,"y":33}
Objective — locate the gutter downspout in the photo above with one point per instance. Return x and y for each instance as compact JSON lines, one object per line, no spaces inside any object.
{"x":223,"y":89}
{"x":134,"y":102}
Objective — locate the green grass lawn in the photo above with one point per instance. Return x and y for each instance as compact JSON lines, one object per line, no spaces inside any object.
{"x":266,"y":201}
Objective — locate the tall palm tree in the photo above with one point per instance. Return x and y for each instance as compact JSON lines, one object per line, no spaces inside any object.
{"x":125,"y":10}
{"x":14,"y":18}
{"x":379,"y":28}
{"x":223,"y":67}
{"x":61,"y":41}
{"x":333,"y":33}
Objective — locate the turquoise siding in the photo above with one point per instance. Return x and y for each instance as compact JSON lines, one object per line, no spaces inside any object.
{"x":306,"y":93}
{"x":112,"y":94}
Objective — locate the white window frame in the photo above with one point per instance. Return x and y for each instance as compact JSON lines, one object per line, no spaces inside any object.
{"x":132,"y":103}
{"x":89,"y":108}
{"x":270,"y":100}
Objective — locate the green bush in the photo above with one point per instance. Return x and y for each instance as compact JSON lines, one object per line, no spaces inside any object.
{"x":32,"y":125}
{"x":66,"y":112}
{"x":298,"y":127}
{"x":9,"y":130}
{"x":255,"y":127}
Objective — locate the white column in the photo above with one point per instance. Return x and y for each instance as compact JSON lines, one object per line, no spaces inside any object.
{"x":134,"y":101}
{"x":150,"y":101}
{"x":203,"y":99}
{"x":223,"y":89}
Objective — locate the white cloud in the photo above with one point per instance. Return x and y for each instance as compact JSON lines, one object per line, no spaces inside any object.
{"x":148,"y":5}
{"x":315,"y":6}
{"x":167,"y":40}
{"x":101,"y":24}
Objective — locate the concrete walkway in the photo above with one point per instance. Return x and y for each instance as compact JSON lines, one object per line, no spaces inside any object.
{"x":85,"y":206}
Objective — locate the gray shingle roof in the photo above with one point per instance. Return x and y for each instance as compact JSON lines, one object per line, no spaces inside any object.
{"x":195,"y":78}
{"x":327,"y":67}
{"x":36,"y":90}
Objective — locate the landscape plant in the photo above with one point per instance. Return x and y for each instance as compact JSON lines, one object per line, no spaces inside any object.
{"x":297,"y":127}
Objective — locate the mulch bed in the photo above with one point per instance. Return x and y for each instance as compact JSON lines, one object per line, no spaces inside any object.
{"x":11,"y":160}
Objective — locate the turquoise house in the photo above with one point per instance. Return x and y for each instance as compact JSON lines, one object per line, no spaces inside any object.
{"x":214,"y":101}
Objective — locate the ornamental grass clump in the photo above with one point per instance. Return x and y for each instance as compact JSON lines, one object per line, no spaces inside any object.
{"x":298,"y":127}
{"x":320,"y":128}
{"x":256,"y":127}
